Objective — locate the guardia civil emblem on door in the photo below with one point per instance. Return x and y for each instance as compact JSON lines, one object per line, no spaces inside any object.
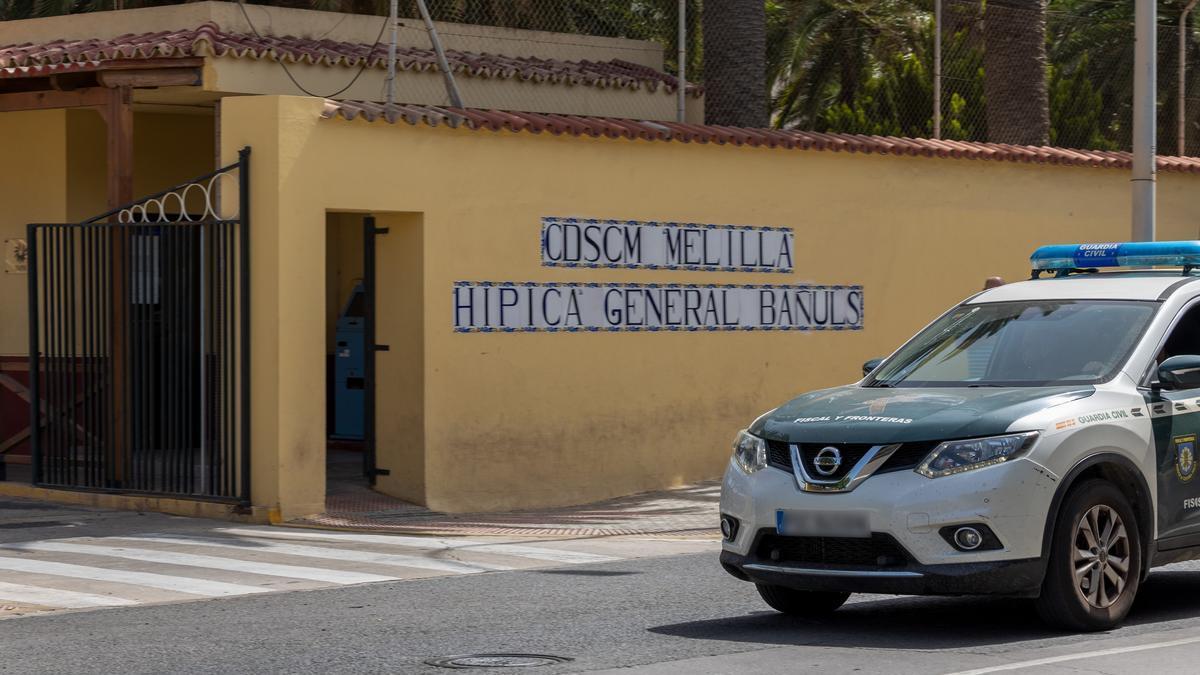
{"x":1185,"y":457}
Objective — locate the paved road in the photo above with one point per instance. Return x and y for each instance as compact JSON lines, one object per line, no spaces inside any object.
{"x":54,"y":559}
{"x":676,"y":613}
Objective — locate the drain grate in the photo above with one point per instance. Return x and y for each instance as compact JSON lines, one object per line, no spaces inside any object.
{"x":497,"y":661}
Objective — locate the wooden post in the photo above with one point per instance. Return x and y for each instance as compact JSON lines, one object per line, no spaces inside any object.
{"x":118,"y":116}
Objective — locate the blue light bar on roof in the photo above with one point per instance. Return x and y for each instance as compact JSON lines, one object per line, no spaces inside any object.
{"x":1128,"y":254}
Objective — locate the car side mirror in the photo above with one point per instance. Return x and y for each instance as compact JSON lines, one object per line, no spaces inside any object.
{"x":871,"y":365}
{"x":1180,"y":372}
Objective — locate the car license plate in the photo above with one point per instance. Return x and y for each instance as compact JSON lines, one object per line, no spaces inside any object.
{"x":822,"y":524}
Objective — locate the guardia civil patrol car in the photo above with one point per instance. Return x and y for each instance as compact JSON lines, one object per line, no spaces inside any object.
{"x":1038,"y":440}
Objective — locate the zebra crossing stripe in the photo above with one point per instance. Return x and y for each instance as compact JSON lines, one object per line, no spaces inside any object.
{"x":206,"y":561}
{"x":518,"y":550}
{"x":52,"y":597}
{"x":325,"y":553}
{"x":187,"y":585}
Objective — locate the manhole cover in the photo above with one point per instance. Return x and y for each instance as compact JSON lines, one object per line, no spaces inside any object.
{"x":497,"y":661}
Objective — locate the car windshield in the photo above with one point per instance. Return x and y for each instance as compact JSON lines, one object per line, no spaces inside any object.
{"x":1019,"y":344}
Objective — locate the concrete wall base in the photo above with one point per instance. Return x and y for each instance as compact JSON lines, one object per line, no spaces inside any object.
{"x":177,"y":507}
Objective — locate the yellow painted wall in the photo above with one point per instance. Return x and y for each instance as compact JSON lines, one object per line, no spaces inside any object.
{"x":401,"y":260}
{"x":343,"y":246}
{"x":33,"y":150}
{"x":525,"y":420}
{"x":55,"y":172}
{"x":287,"y":306}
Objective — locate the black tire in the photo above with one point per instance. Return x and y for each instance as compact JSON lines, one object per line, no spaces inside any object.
{"x":1063,"y":603}
{"x":801,"y":603}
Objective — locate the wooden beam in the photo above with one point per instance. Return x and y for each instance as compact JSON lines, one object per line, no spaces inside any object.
{"x":46,"y":100}
{"x":118,"y":116}
{"x":117,"y":111}
{"x":156,"y":63}
{"x":157,"y":77}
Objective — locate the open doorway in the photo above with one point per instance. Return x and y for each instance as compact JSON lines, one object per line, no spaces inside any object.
{"x":345,"y":354}
{"x":374,"y":304}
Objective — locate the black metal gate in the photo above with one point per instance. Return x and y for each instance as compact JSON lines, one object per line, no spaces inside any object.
{"x":139,"y":344}
{"x":371,"y":468}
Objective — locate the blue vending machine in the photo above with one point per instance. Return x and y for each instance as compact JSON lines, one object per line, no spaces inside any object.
{"x":348,"y":373}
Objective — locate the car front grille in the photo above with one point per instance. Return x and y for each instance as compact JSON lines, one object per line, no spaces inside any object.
{"x":880,"y":550}
{"x":907,"y":456}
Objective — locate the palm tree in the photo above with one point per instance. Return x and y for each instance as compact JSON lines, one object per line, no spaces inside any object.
{"x":735,"y":69}
{"x":821,"y":53}
{"x":1014,"y":67}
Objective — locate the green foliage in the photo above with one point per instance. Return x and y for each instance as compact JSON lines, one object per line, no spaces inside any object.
{"x":1076,"y":110}
{"x":862,"y":66}
{"x":893,"y":102}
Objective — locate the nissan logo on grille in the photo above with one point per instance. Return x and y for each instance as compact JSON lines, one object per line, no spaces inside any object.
{"x":827,"y":461}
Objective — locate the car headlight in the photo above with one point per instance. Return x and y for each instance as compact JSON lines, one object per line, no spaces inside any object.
{"x":749,"y":451}
{"x":954,"y":457}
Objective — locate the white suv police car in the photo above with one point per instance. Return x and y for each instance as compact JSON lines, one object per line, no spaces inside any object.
{"x":1037,"y":440}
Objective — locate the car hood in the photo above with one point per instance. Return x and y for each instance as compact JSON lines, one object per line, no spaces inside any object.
{"x":854,"y":414}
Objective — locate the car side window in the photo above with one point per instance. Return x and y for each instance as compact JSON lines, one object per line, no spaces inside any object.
{"x":1184,"y":337}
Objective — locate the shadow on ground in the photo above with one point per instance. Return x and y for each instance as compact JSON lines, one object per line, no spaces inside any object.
{"x":922,"y":623}
{"x":351,"y":504}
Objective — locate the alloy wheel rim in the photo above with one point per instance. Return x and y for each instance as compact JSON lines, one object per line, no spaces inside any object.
{"x":1100,"y":556}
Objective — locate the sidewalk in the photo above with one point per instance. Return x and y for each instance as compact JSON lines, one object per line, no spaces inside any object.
{"x":689,"y":511}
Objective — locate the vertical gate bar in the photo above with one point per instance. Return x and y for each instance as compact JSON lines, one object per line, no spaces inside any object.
{"x":196,"y":392}
{"x":71,"y":309}
{"x":35,"y":389}
{"x":244,"y":290}
{"x":202,"y":364}
{"x":139,"y":332}
{"x":229,"y":430}
{"x":163,"y":462}
{"x":197,"y":386}
{"x":167,"y":307}
{"x":85,"y":348}
{"x":369,"y":349}
{"x":60,"y":302}
{"x":108,"y":375}
{"x":222,"y":402}
{"x":133,"y":347}
{"x":178,"y":361}
{"x":182,"y":359}
{"x":52,"y":362}
{"x":48,"y":351}
{"x":93,"y":387}
{"x":124,"y":469}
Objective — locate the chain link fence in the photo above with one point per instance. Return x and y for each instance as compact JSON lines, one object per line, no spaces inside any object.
{"x":1056,"y":72}
{"x":1011,"y":71}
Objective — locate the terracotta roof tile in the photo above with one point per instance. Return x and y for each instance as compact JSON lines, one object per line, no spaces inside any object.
{"x":576,"y":125}
{"x":28,"y":60}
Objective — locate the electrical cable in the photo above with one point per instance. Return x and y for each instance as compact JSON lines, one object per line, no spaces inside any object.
{"x":365,"y":63}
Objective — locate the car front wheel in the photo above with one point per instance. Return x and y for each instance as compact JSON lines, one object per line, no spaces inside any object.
{"x":801,"y":603}
{"x":1095,"y":560}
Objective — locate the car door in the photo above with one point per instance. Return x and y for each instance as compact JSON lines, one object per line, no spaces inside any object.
{"x":1175,"y":418}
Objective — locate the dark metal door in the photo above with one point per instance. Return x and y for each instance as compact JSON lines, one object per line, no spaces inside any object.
{"x":139,"y":345}
{"x":370,"y":469}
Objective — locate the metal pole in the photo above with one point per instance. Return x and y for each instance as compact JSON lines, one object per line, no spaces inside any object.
{"x":937,"y":68}
{"x":681,"y":110}
{"x":393,"y":12}
{"x":451,"y":85}
{"x":1144,"y":72}
{"x":1182,"y":86}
